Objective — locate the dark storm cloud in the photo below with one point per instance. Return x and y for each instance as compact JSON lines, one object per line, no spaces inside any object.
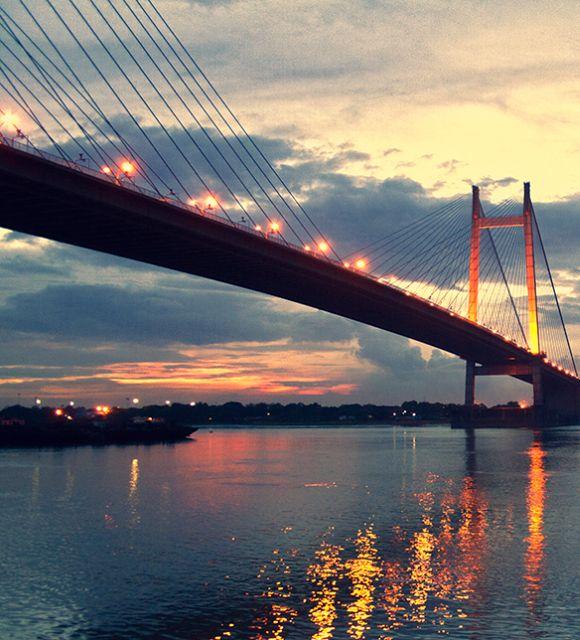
{"x":161,"y":317}
{"x":113,"y":313}
{"x":559,"y":223}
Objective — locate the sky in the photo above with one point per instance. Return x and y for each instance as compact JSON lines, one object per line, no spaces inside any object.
{"x":374,"y":112}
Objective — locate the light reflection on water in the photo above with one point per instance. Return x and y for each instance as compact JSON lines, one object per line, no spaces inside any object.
{"x":290,"y":534}
{"x":535,"y":540}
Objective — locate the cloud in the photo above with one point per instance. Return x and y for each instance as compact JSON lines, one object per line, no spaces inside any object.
{"x":105,"y":313}
{"x":491,"y":184}
{"x":450,"y":166}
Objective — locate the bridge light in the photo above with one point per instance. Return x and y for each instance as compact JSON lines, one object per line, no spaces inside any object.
{"x":274,"y":227}
{"x":192,"y":202}
{"x":323,"y":246}
{"x":211,"y":202}
{"x":128,"y":168}
{"x":307,"y":247}
{"x":9,"y":120}
{"x":258,"y":227}
{"x":360,"y":263}
{"x":106,"y":170}
{"x":58,"y":412}
{"x":346,"y":264}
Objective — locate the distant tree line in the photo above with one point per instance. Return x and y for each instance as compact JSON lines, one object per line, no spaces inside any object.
{"x":236,"y":413}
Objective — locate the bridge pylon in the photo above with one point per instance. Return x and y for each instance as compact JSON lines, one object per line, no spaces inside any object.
{"x":480,"y":223}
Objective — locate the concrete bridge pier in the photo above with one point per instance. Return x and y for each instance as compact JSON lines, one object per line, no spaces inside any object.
{"x":561,"y":402}
{"x":555,"y":401}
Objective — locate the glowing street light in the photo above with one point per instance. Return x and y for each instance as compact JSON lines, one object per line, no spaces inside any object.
{"x":211,"y":203}
{"x":360,"y":263}
{"x":135,"y":401}
{"x":128,"y":168}
{"x":9,"y":120}
{"x":274,"y":227}
{"x":323,"y":247}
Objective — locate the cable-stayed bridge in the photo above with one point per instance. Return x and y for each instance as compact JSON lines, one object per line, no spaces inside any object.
{"x":114,"y":139}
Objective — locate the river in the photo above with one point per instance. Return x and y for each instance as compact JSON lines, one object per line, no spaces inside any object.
{"x":286,"y":534}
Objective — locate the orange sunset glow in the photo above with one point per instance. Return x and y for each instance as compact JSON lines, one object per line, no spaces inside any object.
{"x":218,"y":371}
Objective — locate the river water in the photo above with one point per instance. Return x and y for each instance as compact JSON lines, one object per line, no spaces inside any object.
{"x":294,"y":533}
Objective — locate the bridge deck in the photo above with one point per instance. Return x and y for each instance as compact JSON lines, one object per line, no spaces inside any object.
{"x":47,"y":199}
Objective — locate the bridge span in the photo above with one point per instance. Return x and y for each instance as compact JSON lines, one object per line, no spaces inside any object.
{"x":43,"y":196}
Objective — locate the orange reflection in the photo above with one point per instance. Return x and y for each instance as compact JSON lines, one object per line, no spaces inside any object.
{"x":324,"y":574}
{"x":443,"y":561}
{"x":426,"y":573}
{"x":471,"y":539}
{"x":393,"y":595}
{"x":534,"y":560}
{"x":278,"y":614}
{"x":421,"y":549}
{"x":363,"y":571}
{"x":134,"y":493}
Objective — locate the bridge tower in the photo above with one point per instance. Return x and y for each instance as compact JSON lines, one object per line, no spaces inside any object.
{"x":479,"y":223}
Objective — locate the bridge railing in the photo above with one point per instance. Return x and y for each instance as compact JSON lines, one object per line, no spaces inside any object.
{"x":130,"y":184}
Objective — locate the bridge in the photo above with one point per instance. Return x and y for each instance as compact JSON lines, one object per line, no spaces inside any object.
{"x":112,"y":170}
